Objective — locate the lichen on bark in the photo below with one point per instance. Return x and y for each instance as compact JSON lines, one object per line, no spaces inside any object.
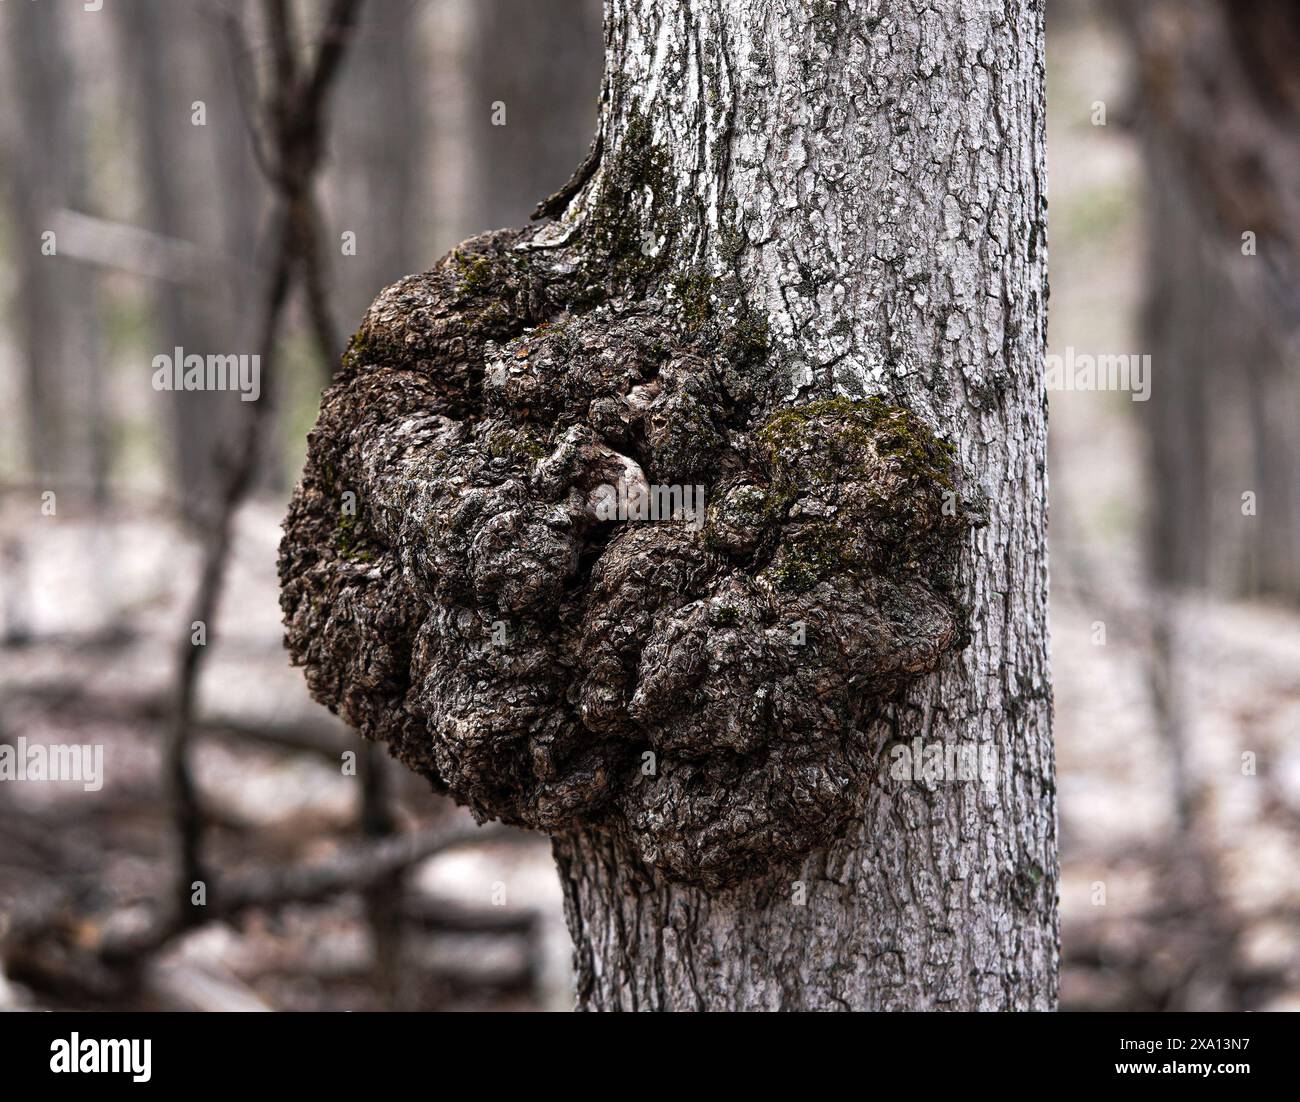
{"x":480,"y":614}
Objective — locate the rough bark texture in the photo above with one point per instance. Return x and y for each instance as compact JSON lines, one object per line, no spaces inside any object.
{"x":803,"y":269}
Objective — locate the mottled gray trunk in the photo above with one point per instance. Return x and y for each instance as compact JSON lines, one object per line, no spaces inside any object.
{"x":803,"y":268}
{"x":884,"y":165}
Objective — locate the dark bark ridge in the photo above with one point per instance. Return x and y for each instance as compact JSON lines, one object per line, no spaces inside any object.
{"x":451,"y":587}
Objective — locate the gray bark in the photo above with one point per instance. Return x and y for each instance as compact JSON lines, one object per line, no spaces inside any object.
{"x":886,"y":163}
{"x":805,"y":266}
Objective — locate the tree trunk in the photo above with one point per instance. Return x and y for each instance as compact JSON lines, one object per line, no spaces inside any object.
{"x":803,"y":269}
{"x":1220,"y":126}
{"x":887,"y":168}
{"x":378,"y":182}
{"x":209,"y":198}
{"x":55,"y":296}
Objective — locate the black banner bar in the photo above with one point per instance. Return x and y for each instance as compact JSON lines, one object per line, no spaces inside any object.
{"x":338,"y":1051}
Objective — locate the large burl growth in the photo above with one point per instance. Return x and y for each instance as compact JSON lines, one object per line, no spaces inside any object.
{"x":450,"y":585}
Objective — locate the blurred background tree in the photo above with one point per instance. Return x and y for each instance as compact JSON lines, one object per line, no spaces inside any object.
{"x":1217,"y":107}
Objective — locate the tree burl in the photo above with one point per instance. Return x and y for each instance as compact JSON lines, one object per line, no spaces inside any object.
{"x":452,"y":585}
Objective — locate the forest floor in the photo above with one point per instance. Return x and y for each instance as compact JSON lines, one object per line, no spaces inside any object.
{"x":92,"y":611}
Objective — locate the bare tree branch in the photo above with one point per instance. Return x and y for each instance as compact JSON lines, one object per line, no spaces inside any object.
{"x":295,"y":122}
{"x":358,"y":869}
